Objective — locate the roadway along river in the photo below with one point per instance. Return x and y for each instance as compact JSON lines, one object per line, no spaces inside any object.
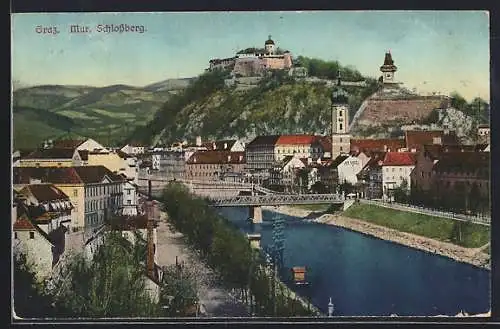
{"x":366,"y":276}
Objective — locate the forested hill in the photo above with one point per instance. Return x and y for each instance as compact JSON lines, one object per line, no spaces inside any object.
{"x":278,"y":104}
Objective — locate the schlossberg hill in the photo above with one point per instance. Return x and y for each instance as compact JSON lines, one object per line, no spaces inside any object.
{"x":278,"y":104}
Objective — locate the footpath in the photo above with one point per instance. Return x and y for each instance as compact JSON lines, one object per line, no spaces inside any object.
{"x":215,"y":301}
{"x":473,"y":256}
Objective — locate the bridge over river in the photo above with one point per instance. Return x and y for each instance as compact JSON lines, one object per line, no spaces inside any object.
{"x":228,"y":194}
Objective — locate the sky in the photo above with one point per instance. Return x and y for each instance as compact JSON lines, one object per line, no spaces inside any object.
{"x":435,"y":51}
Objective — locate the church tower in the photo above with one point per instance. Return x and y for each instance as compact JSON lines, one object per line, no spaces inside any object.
{"x":269,"y":46}
{"x":388,"y":69}
{"x":341,"y":140}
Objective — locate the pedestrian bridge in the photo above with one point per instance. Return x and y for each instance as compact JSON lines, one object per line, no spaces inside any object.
{"x":276,"y":200}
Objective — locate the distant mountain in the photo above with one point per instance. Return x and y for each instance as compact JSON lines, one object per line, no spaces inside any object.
{"x":106,"y":113}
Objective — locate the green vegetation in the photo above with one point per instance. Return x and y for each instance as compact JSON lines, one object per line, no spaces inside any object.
{"x":478,"y":108}
{"x":277,"y":105}
{"x":227,"y":251}
{"x":465,"y":234}
{"x":111,"y":285}
{"x":107,"y":114}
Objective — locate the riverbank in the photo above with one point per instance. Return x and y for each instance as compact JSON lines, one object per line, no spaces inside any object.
{"x":472,"y":256}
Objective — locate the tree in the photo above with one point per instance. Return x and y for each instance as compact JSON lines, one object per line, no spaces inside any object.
{"x":30,"y":297}
{"x":179,"y":290}
{"x":111,"y":285}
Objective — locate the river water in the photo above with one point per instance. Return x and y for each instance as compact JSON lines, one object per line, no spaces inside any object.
{"x":366,"y":276}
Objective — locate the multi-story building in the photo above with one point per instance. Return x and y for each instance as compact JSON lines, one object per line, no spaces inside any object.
{"x":48,"y":206}
{"x":213,"y":165}
{"x":416,"y":139}
{"x":170,"y":164}
{"x":51,"y":157}
{"x":231,"y":145}
{"x":260,"y":154}
{"x":300,"y":146}
{"x":130,"y":198}
{"x":370,"y":176}
{"x":396,"y":169}
{"x":94,"y":191}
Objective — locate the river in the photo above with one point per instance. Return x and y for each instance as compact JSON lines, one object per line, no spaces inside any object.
{"x":366,"y":276}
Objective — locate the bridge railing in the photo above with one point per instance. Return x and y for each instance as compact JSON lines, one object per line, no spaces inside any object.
{"x":276,"y":199}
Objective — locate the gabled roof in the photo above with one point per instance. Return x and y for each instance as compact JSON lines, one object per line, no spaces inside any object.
{"x":464,"y":162}
{"x":416,"y":139}
{"x":434,"y":151}
{"x":45,"y":192}
{"x":23,"y":223}
{"x":297,"y":140}
{"x":51,"y":153}
{"x":375,"y":160}
{"x":216,"y":157}
{"x":377,"y":145}
{"x":68,"y":143}
{"x":123,"y":155}
{"x":399,"y":159}
{"x":263,"y":141}
{"x":95,"y":174}
{"x":65,"y":175}
{"x":338,"y":160}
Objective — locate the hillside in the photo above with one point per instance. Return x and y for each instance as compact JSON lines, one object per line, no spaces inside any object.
{"x":106,"y":113}
{"x":279,"y":104}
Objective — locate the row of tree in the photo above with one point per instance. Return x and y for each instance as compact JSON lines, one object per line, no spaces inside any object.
{"x":228,"y":252}
{"x":112,"y":284}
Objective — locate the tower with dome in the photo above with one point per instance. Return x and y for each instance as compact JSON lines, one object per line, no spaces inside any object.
{"x":341,"y":139}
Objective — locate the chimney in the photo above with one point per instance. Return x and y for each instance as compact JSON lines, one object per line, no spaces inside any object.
{"x":198,"y":140}
{"x":228,"y":158}
{"x":241,"y":158}
{"x":214,"y":146}
{"x":385,"y":148}
{"x":225,"y":146}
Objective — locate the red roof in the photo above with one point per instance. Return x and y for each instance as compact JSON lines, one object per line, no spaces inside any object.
{"x":63,"y":175}
{"x":399,"y":159}
{"x":377,"y":145}
{"x":416,"y":139}
{"x":297,"y":139}
{"x":22,"y":223}
{"x":68,"y":143}
{"x":216,"y":157}
{"x":45,"y":192}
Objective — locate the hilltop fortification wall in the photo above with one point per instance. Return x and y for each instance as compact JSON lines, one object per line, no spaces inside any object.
{"x":380,"y":111}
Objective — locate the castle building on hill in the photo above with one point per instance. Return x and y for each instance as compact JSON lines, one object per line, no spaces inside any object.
{"x":254,"y":62}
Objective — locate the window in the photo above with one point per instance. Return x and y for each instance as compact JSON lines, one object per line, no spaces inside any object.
{"x":393,"y":169}
{"x":15,"y":235}
{"x":32,"y":235}
{"x":129,"y":202}
{"x":128,"y":192}
{"x":400,"y":169}
{"x":341,"y":149}
{"x":340,"y":140}
{"x":340,"y":113}
{"x":75,"y":192}
{"x":340,"y":127}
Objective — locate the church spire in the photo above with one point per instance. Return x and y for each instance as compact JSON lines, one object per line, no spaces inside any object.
{"x":338,"y":77}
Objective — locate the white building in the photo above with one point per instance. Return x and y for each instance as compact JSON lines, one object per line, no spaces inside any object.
{"x":35,"y":244}
{"x":133,"y":149}
{"x":348,"y":169}
{"x":396,"y":169}
{"x":130,"y":199}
